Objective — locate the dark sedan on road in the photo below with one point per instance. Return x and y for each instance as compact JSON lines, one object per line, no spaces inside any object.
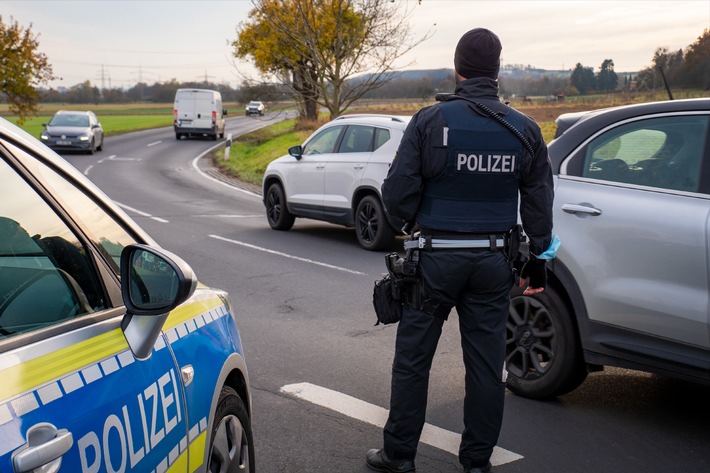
{"x":629,"y":286}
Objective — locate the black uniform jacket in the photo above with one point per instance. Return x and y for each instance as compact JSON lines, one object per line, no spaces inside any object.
{"x":418,"y":159}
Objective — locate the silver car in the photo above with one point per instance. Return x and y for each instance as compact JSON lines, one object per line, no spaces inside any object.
{"x":73,"y":131}
{"x":629,"y":286}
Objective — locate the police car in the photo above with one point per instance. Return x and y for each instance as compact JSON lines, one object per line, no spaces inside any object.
{"x":113,"y":358}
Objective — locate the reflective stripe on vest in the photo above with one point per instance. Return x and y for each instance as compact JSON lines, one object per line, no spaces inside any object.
{"x":478,"y":190}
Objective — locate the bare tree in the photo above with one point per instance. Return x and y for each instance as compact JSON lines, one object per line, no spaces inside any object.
{"x":329,"y":52}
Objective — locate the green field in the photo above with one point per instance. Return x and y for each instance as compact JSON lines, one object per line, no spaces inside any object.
{"x":251,"y":153}
{"x":115,"y":118}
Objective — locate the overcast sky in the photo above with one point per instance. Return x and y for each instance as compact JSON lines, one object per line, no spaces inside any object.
{"x":117,"y":43}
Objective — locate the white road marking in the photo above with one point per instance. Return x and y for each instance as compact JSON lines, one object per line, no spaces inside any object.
{"x":105,"y":159}
{"x":154,"y":143}
{"x":217,"y":181}
{"x":86,"y":171}
{"x":286,"y":255}
{"x":231,"y":216}
{"x":377,"y":416}
{"x":141,"y":213}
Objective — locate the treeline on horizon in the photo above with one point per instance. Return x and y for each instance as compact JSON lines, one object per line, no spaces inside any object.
{"x":682,"y":69}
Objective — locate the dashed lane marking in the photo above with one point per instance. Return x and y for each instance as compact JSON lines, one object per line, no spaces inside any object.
{"x":285,"y":255}
{"x":142,"y":214}
{"x":377,"y":416}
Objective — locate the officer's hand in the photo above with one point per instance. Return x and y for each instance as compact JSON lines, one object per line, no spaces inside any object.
{"x":535,"y":270}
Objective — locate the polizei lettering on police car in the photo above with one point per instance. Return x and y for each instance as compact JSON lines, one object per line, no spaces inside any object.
{"x":135,"y":429}
{"x":493,"y":163}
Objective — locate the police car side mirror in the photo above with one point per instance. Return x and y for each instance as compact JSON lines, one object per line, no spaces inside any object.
{"x":153,"y":282}
{"x":296,"y":151}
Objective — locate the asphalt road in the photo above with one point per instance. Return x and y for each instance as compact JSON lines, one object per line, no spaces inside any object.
{"x":319,"y":368}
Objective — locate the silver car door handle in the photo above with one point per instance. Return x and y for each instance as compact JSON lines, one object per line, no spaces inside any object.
{"x":359,"y":166}
{"x":581,"y":209}
{"x":45,"y":445}
{"x":320,"y":166}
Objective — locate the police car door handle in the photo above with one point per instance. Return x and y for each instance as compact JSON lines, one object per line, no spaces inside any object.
{"x":581,"y":209}
{"x":45,"y":447}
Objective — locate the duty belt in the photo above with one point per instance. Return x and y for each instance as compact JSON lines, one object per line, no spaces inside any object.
{"x":426,"y":242}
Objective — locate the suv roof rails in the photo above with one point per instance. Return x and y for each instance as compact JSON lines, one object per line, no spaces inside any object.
{"x":394,"y":118}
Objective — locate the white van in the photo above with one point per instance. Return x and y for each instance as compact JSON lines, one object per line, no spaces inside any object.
{"x":198,"y":112}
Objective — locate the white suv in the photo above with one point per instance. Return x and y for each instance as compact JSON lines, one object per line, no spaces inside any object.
{"x":336,"y":176}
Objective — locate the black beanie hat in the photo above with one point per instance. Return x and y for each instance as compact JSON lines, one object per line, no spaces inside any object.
{"x":478,"y":54}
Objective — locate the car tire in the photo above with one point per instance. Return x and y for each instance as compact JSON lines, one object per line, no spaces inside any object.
{"x":232,"y":442}
{"x":178,"y":136}
{"x":371,"y":226}
{"x":543,"y":356}
{"x":100,"y":147}
{"x":92,"y":147}
{"x":276,"y":210}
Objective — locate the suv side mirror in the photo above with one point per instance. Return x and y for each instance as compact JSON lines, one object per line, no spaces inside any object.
{"x":296,"y":151}
{"x":153,"y":282}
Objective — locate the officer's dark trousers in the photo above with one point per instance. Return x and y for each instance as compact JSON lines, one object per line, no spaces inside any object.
{"x":477,"y":283}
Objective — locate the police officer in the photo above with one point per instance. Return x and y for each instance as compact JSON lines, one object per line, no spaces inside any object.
{"x":458,"y":172}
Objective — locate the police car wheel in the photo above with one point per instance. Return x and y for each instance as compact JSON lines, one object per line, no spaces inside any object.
{"x":371,"y":226}
{"x":276,"y":211}
{"x":543,"y":356}
{"x":232,"y":445}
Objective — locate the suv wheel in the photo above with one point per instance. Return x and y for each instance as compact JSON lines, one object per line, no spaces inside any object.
{"x":276,"y":212}
{"x":371,"y":226}
{"x":232,"y":446}
{"x":543,"y":357}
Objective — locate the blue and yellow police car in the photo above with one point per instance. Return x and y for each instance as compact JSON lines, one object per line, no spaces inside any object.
{"x":113,"y":358}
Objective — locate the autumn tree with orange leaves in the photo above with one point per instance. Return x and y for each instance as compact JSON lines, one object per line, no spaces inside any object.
{"x":22,"y":69}
{"x":327,"y":52}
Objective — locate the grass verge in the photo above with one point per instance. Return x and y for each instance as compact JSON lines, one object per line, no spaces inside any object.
{"x":251,"y":153}
{"x":112,"y":124}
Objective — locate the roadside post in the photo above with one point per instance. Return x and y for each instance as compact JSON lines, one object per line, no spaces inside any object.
{"x":227,"y":146}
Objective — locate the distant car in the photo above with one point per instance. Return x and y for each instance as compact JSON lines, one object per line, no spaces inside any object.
{"x":73,"y":131}
{"x":112,"y":356}
{"x":255,"y":108}
{"x":336,"y":176}
{"x":629,"y":286}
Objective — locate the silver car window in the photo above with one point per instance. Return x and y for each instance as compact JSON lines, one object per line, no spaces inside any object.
{"x":661,"y":152}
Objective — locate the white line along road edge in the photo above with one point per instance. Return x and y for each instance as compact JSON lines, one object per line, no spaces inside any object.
{"x":375,"y":415}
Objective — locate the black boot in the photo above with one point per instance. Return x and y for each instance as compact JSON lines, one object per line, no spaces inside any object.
{"x":478,"y":469}
{"x":377,"y":460}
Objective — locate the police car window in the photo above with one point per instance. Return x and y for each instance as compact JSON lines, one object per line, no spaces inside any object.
{"x":660,"y":152}
{"x":106,"y":233}
{"x":46,"y":275}
{"x":357,"y":139}
{"x":382,"y":136}
{"x":323,"y":142}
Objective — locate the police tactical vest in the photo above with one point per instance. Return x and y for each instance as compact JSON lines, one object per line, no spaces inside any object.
{"x":478,"y":190}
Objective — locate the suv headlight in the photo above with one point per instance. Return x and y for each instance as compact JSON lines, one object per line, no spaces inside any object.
{"x":44,"y":136}
{"x":84,"y":138}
